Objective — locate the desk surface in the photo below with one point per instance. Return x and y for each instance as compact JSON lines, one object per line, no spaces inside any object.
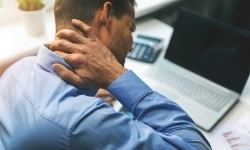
{"x":157,"y":28}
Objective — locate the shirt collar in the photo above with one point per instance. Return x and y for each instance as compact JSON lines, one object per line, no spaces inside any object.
{"x":46,"y":58}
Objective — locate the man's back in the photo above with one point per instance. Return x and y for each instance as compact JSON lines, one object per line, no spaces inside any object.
{"x":37,"y":108}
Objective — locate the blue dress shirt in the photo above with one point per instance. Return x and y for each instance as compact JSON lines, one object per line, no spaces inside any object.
{"x":39,"y":111}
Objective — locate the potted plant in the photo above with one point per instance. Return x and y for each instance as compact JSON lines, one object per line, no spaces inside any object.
{"x":32,"y":14}
{"x":30,"y":5}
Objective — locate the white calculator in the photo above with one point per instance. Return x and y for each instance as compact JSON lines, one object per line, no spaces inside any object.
{"x":146,"y":48}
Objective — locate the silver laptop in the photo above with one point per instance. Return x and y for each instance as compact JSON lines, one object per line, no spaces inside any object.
{"x":205,"y":67}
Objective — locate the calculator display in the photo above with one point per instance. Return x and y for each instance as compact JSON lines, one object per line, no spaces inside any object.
{"x":147,"y":38}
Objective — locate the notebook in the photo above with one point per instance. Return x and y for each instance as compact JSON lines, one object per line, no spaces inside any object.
{"x":205,"y":67}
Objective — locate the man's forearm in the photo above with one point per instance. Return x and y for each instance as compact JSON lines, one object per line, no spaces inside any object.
{"x":153,"y":109}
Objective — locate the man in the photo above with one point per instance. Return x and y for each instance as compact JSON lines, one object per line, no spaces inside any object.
{"x":40,"y":111}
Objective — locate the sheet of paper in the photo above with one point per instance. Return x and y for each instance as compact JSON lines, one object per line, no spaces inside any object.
{"x":239,"y":136}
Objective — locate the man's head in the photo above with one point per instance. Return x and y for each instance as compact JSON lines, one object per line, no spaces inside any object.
{"x":111,"y":20}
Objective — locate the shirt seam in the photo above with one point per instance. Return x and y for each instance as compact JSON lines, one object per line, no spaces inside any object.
{"x":31,"y":101}
{"x":139,"y":100}
{"x":81,"y":114}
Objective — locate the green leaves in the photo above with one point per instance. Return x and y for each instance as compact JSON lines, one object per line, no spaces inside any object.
{"x":30,"y":5}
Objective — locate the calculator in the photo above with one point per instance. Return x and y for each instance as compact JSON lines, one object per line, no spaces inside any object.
{"x":146,"y":48}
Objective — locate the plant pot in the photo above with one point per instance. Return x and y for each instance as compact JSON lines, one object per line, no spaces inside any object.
{"x":33,"y":21}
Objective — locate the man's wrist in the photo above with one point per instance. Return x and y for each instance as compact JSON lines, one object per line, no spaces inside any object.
{"x":133,"y":87}
{"x":116,"y":73}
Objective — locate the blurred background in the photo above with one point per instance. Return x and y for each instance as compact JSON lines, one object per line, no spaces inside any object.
{"x":234,"y":12}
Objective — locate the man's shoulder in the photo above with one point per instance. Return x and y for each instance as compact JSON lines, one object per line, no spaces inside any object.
{"x":17,"y":69}
{"x":21,"y":64}
{"x":66,"y":110}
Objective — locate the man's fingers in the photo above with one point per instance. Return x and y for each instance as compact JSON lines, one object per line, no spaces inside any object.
{"x":73,"y":60}
{"x":67,"y":58}
{"x":62,"y":45}
{"x":67,"y":75}
{"x":71,"y":35}
{"x":66,"y":46}
{"x":87,"y":30}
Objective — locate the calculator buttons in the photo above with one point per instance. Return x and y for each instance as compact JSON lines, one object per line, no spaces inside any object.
{"x":143,"y":52}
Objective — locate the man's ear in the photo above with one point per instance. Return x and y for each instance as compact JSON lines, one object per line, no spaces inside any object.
{"x":106,"y":14}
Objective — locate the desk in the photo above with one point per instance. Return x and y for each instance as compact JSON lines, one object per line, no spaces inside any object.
{"x":157,"y":28}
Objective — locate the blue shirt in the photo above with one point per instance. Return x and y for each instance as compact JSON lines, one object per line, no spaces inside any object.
{"x":38,"y":110}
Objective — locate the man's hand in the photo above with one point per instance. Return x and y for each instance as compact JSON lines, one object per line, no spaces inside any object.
{"x":94,"y":65}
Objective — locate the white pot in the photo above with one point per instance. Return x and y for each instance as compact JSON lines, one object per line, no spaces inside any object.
{"x":33,"y":21}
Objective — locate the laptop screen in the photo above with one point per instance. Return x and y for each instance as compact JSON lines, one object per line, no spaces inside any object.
{"x":212,"y":49}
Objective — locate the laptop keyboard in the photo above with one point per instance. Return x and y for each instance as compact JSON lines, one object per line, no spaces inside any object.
{"x":207,"y":96}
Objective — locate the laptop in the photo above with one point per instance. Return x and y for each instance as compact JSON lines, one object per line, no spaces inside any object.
{"x":205,"y":67}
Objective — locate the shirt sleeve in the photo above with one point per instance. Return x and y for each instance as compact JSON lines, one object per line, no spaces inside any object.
{"x":160,"y":123}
